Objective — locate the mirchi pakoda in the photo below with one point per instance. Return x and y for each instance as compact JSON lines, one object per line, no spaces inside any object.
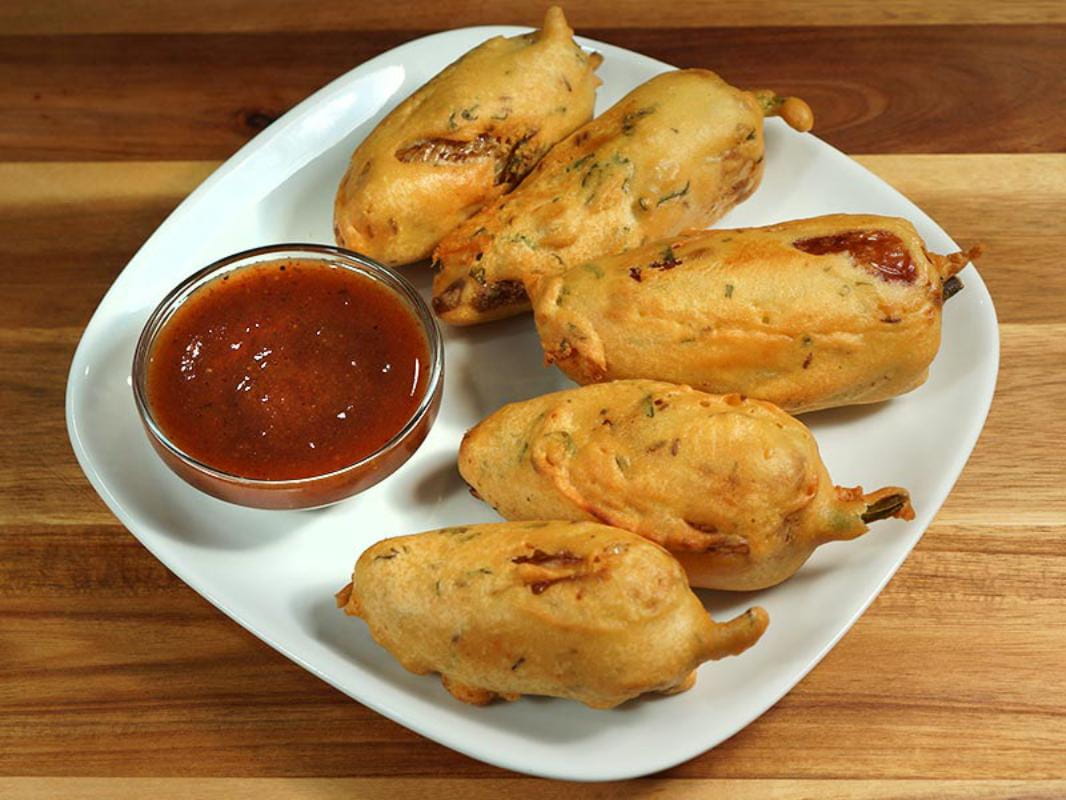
{"x":734,"y":488}
{"x":809,"y":314}
{"x":678,"y":151}
{"x":565,"y":609}
{"x":464,"y":138}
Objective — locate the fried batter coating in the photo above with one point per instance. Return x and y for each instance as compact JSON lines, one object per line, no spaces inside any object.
{"x":810,"y":314}
{"x":676,"y":152}
{"x":466,"y":137}
{"x":565,"y":609}
{"x":734,"y":488}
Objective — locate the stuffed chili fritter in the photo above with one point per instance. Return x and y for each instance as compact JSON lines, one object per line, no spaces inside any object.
{"x":466,"y":137}
{"x":566,"y":609}
{"x":734,"y":488}
{"x":676,"y":152}
{"x":816,"y":313}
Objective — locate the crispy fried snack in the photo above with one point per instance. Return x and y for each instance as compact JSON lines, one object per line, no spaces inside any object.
{"x":816,"y":313}
{"x":466,"y":137}
{"x":734,"y":488}
{"x":677,"y":151}
{"x":575,"y":610}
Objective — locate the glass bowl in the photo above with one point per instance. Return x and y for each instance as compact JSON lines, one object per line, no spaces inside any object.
{"x":316,"y":490}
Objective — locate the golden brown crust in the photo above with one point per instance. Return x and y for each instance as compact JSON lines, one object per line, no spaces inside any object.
{"x":473,"y":695}
{"x":343,"y":599}
{"x":677,"y":151}
{"x":733,"y":487}
{"x":749,"y":311}
{"x":466,"y":137}
{"x":575,"y":610}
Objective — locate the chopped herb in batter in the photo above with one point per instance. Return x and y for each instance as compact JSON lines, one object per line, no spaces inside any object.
{"x":629,"y":121}
{"x":677,"y":193}
{"x":580,"y":162}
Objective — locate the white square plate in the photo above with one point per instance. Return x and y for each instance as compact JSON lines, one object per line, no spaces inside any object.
{"x":275,"y":572}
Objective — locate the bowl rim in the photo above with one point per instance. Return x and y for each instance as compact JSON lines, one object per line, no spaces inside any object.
{"x":332,"y":256}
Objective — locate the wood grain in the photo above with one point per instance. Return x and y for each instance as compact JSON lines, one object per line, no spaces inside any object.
{"x":101,"y":679}
{"x":411,"y":789}
{"x":85,"y":221}
{"x":118,"y":681}
{"x":946,"y":89}
{"x":106,"y":210}
{"x":180,"y":16}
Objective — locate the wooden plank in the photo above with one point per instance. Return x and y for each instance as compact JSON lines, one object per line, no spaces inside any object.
{"x":112,"y":666}
{"x":106,"y":210}
{"x":64,"y":186}
{"x":924,"y":89}
{"x":113,"y":671}
{"x":101,"y":676}
{"x":84,"y":221}
{"x":416,"y":789}
{"x":174,"y":16}
{"x":95,"y":634}
{"x":1014,"y":478}
{"x":110,"y":691}
{"x":1007,"y":203}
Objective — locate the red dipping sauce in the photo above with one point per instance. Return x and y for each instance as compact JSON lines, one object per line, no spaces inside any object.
{"x":288,"y":370}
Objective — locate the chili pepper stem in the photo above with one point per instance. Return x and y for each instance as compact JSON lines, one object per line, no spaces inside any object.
{"x":887,"y":503}
{"x":952,"y":263}
{"x":738,"y":634}
{"x":951,"y":287}
{"x":795,"y":112}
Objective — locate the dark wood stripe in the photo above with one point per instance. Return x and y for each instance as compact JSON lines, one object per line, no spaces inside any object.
{"x":85,"y":247}
{"x":178,"y":16}
{"x":922,"y":89}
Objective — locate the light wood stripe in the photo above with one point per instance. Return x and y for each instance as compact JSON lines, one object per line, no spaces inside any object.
{"x":59,"y":183}
{"x":1037,"y":179}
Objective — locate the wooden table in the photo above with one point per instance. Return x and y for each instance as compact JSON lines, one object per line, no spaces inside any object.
{"x":116,"y":680}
